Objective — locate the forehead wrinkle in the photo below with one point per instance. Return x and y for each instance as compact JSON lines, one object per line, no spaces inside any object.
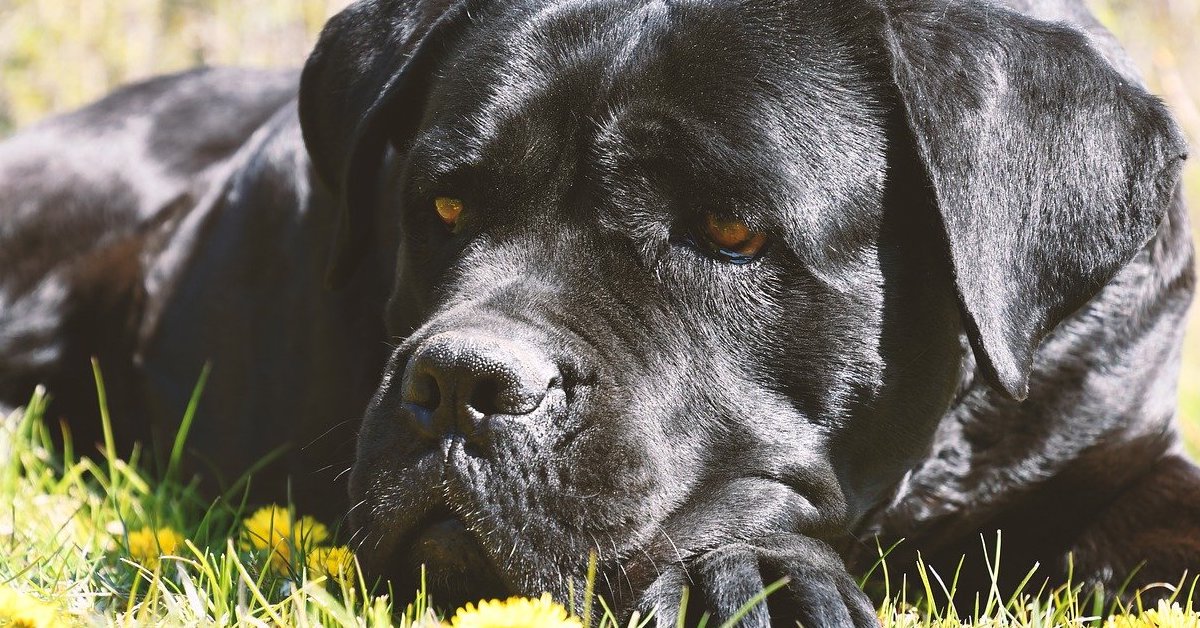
{"x":644,"y":37}
{"x":724,"y":162}
{"x":572,"y":47}
{"x":442,"y":149}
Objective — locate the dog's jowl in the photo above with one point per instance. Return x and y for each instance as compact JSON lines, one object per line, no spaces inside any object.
{"x":718,"y":293}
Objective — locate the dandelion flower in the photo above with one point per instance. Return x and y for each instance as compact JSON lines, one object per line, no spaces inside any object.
{"x":272,"y":528}
{"x":1162,"y":616}
{"x":18,"y":610}
{"x":148,"y":545}
{"x":515,"y":612}
{"x":335,"y":563}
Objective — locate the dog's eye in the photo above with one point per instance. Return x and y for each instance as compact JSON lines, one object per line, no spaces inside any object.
{"x":732,"y":240}
{"x":448,"y":209}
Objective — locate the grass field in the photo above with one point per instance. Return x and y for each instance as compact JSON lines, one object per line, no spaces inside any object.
{"x":81,"y":537}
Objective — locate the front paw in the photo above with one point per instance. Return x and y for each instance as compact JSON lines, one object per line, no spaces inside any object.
{"x":819,"y":591}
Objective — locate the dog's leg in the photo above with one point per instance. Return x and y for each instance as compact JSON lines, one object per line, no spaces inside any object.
{"x":1151,"y":530}
{"x":819,"y":592}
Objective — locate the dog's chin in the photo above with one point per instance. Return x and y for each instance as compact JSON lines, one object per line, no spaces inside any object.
{"x":456,"y":569}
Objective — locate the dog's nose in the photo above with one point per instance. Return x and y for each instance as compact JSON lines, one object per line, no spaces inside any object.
{"x":455,"y":381}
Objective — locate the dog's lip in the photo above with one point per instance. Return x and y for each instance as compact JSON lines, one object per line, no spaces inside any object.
{"x":397,"y":530}
{"x":439,"y":517}
{"x":382,"y":519}
{"x":460,"y":568}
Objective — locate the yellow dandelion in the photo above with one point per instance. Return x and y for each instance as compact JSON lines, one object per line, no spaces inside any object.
{"x":1163,"y":616}
{"x":272,"y":528}
{"x":515,"y":612}
{"x":335,"y":563}
{"x":148,"y":545}
{"x":18,"y":610}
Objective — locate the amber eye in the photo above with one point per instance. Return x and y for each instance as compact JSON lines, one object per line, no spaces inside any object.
{"x":732,"y":239}
{"x":448,"y":209}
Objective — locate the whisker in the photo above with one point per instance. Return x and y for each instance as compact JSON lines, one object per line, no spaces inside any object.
{"x":333,"y":427}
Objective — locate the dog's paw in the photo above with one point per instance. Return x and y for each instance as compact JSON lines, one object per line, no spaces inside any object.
{"x":819,"y":591}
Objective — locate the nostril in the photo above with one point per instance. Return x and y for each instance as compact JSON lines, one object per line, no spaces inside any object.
{"x":422,"y":395}
{"x":423,"y":391}
{"x":485,"y":397}
{"x":507,"y":394}
{"x":455,"y":382}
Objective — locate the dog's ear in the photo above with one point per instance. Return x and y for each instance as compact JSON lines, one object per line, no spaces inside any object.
{"x":1050,"y":169}
{"x":363,"y":86}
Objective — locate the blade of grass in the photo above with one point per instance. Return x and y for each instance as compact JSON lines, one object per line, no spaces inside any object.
{"x":110,"y":443}
{"x":253,"y":586}
{"x":185,"y":426}
{"x":589,"y":590}
{"x":755,"y":601}
{"x":683,"y":602}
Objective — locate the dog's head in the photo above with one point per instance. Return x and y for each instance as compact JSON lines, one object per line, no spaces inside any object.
{"x":673,"y":275}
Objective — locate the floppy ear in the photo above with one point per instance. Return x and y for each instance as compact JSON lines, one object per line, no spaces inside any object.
{"x":363,"y":84}
{"x":1050,"y":170}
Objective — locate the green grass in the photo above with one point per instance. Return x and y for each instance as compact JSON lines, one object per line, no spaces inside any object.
{"x":66,"y":540}
{"x":74,"y":550}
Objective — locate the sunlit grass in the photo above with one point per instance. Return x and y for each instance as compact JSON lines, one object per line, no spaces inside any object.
{"x":103,"y":543}
{"x":60,"y":54}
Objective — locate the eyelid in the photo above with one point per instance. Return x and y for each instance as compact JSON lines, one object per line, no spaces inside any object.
{"x":431,"y":177}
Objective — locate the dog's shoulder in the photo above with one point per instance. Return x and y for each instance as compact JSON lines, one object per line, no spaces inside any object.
{"x":88,"y":198}
{"x":76,"y":180}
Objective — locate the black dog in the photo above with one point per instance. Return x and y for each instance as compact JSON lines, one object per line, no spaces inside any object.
{"x":718,"y":292}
